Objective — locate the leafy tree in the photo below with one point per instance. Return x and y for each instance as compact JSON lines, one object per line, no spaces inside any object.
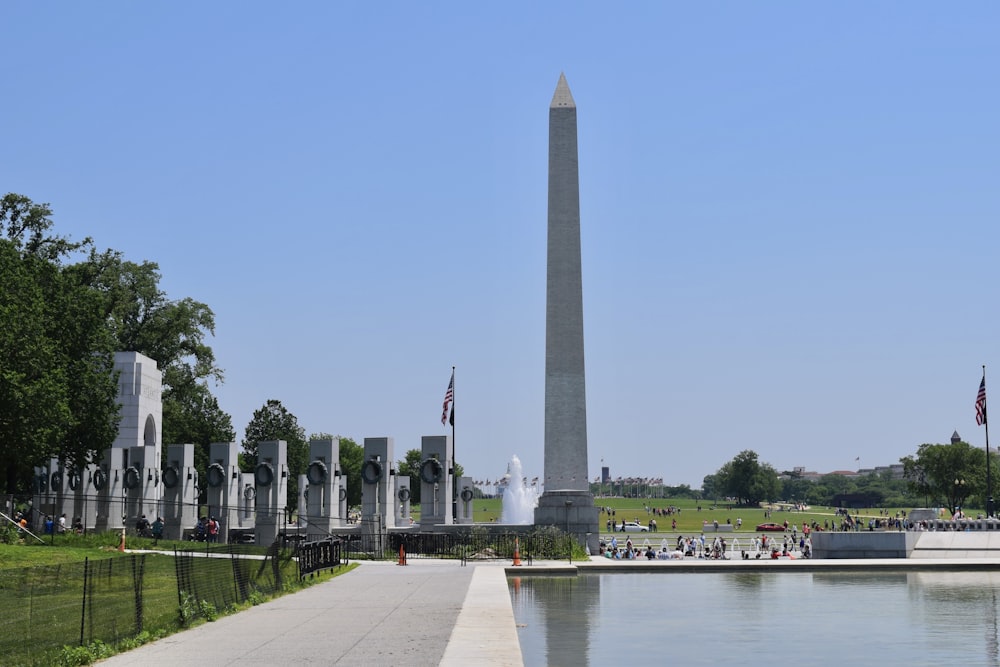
{"x":88,"y":353}
{"x":795,"y":488}
{"x":352,"y":456}
{"x":143,"y":319}
{"x":171,"y":332}
{"x":710,"y":486}
{"x":274,"y":422}
{"x":948,"y":474}
{"x":748,"y":480}
{"x":26,"y":224}
{"x":57,"y":389}
{"x":33,"y":392}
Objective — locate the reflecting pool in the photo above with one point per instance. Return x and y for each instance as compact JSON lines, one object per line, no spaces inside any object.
{"x":885,"y":618}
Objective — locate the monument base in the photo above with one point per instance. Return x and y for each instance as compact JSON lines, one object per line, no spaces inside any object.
{"x":571,"y":511}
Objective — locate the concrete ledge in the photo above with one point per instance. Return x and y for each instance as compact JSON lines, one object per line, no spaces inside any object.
{"x":948,"y":544}
{"x":485,"y":632}
{"x":598,"y":565}
{"x":871,"y":545}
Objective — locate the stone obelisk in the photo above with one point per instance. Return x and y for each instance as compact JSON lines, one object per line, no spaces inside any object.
{"x":566,"y":502}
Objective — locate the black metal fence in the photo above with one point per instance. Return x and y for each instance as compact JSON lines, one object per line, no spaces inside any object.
{"x":111,"y":600}
{"x":458,"y":546}
{"x":45,"y":608}
{"x":214,"y":577}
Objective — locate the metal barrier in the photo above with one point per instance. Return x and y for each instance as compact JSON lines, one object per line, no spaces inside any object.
{"x":315,"y":556}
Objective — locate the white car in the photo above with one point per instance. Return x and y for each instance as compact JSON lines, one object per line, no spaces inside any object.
{"x":633,"y":527}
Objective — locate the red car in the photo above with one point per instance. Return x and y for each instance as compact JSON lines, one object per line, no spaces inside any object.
{"x":774,"y":527}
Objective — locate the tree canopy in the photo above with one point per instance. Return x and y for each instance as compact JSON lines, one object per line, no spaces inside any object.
{"x":58,"y":394}
{"x":746,"y":479}
{"x":352,"y":456}
{"x":274,"y":422}
{"x":948,"y":474}
{"x":173,"y":333}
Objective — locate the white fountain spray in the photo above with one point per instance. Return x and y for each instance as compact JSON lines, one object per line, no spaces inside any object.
{"x":519,"y":499}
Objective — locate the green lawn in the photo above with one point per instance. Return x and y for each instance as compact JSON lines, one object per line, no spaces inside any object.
{"x":690,"y":519}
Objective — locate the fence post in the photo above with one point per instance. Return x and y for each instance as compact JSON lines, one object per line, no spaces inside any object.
{"x":138,"y":569}
{"x":83,"y":609}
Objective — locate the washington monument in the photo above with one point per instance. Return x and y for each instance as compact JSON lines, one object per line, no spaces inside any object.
{"x":567,"y":501}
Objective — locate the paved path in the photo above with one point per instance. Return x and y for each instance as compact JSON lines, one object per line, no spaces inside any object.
{"x":426,"y":613}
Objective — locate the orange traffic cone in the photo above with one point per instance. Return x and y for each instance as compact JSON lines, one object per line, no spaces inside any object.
{"x":121,"y":545}
{"x":402,"y":555}
{"x":517,"y":552}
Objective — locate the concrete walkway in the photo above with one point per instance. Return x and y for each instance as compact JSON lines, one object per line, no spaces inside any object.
{"x":426,"y":613}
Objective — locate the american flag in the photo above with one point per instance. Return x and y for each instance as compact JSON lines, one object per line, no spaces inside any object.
{"x":449,"y":396}
{"x":981,"y":403}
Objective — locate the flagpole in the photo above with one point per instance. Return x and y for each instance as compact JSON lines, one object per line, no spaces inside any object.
{"x":454,"y":478}
{"x":451,"y":418}
{"x":989,"y":476}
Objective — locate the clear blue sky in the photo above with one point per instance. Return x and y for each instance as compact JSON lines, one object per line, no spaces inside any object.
{"x":789,"y":211}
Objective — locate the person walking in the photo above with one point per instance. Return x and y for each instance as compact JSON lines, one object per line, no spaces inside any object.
{"x":157,"y":530}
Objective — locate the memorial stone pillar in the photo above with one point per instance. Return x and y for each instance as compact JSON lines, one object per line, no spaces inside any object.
{"x":180,"y":491}
{"x":271,"y":479}
{"x":323,"y":476}
{"x":224,"y":488}
{"x":436,"y":470}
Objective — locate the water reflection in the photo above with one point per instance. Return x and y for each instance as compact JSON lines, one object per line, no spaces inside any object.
{"x":864,"y":579}
{"x":559,"y":611}
{"x":713,"y":618}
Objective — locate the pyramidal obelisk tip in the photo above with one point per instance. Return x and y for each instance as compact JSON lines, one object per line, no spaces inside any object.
{"x":562,"y":96}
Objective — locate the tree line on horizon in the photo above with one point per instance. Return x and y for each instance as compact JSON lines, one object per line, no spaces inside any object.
{"x":949,"y":475}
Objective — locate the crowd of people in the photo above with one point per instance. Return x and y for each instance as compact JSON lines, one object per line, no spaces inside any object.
{"x":50,"y":525}
{"x":207,"y":530}
{"x":762,"y":546}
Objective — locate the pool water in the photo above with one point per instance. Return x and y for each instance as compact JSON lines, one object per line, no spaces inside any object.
{"x":842,"y":618}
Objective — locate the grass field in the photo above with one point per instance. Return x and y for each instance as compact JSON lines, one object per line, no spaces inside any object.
{"x":690,"y":519}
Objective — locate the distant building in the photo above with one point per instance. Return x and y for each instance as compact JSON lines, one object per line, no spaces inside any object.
{"x":893,"y":470}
